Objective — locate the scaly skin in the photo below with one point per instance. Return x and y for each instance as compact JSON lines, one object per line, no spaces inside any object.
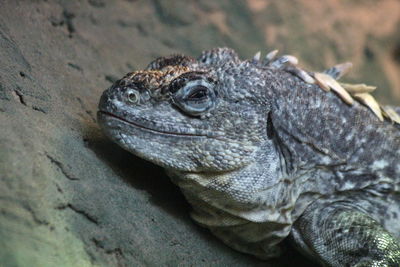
{"x":262,"y":155}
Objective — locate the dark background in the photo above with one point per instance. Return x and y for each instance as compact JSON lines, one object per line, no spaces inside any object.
{"x":70,"y":197}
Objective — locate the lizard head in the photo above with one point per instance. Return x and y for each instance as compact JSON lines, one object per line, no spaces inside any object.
{"x":189,"y":115}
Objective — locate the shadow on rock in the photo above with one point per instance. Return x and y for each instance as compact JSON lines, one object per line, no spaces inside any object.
{"x":146,"y":176}
{"x":141,"y":175}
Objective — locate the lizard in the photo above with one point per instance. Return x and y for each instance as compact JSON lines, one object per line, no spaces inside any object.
{"x":264,"y":155}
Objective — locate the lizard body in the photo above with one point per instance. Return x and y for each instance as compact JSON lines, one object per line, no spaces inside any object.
{"x":263,"y":154}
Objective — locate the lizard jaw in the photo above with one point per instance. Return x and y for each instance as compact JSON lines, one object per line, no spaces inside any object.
{"x":182,"y":133}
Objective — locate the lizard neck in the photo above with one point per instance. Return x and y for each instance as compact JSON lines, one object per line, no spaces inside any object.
{"x":250,"y":208}
{"x":251,"y":193}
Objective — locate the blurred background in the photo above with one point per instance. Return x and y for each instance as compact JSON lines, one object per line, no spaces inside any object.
{"x":68,"y":196}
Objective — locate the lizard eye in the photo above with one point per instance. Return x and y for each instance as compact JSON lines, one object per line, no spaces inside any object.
{"x":195,"y":97}
{"x":133,"y":96}
{"x":198,"y":93}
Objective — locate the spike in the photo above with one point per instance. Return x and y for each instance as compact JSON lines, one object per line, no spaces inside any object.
{"x":257,"y":56}
{"x":280,"y":62}
{"x":339,"y":70}
{"x":292,"y":59}
{"x":270,"y":56}
{"x":302,"y":75}
{"x":320,"y":80}
{"x":369,"y":101}
{"x":335,"y":86}
{"x":391,"y":114}
{"x":358,"y":88}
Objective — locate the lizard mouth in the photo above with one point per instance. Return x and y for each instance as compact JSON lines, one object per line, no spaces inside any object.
{"x":182,"y":132}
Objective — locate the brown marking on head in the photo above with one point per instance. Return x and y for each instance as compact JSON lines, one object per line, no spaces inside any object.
{"x":173,"y":60}
{"x":155,"y":79}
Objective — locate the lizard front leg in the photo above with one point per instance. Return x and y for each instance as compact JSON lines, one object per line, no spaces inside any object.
{"x":339,"y":234}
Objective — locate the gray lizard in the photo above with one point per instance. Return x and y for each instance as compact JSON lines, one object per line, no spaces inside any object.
{"x":263,"y":154}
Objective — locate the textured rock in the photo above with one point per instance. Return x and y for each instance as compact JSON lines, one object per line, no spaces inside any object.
{"x":70,"y":197}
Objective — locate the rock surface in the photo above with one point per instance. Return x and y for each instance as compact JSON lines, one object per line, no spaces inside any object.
{"x":70,"y":197}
